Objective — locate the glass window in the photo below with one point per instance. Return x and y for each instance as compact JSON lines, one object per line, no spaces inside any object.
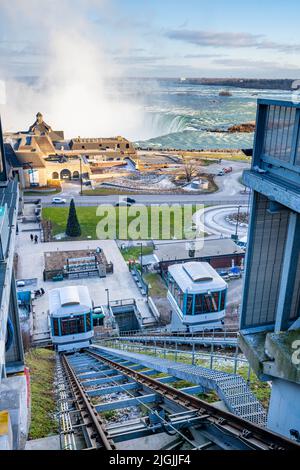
{"x":198,"y":304}
{"x":223,"y":296}
{"x":189,"y":305}
{"x":55,"y":329}
{"x":72,"y":325}
{"x":297,"y":161}
{"x":280,"y":125}
{"x":88,"y":322}
{"x":215,"y":301}
{"x":207,"y":303}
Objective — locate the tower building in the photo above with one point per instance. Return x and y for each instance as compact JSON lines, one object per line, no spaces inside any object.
{"x":270,"y":315}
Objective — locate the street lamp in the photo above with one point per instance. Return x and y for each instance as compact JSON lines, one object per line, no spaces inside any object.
{"x":80,"y":175}
{"x":237,"y":222}
{"x":141,"y":256}
{"x":107,"y":297}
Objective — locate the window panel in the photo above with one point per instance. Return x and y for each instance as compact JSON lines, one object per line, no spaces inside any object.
{"x":297,"y":161}
{"x":73,"y":326}
{"x":208,"y":303}
{"x":189,"y":305}
{"x":280,"y":125}
{"x":55,"y":326}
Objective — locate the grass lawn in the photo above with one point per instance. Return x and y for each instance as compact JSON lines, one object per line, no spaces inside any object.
{"x":158,"y":287}
{"x":218,"y":155}
{"x":41,"y":364}
{"x":134,"y":252}
{"x":41,"y":192}
{"x":150,"y":224}
{"x":104,"y":192}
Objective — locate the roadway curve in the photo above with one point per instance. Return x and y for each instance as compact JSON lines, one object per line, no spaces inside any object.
{"x":214,"y":221}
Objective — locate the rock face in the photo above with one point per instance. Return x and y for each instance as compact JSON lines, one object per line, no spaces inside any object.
{"x":225,"y":93}
{"x":247,"y":127}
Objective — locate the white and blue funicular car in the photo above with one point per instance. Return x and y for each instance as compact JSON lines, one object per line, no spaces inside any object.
{"x":70,"y":316}
{"x":197,"y":294}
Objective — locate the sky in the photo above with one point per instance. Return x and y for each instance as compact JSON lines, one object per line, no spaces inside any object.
{"x":158,"y":38}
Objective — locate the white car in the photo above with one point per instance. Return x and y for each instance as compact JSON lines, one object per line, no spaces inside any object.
{"x":58,"y":200}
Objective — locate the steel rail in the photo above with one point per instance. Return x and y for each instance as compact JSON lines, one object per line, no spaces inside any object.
{"x":252,"y":434}
{"x":91,"y":419}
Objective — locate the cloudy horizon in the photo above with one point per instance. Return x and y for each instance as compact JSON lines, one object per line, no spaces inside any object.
{"x":159,"y":39}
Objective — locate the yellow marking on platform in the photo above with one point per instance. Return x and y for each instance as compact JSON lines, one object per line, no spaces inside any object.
{"x":4,"y":422}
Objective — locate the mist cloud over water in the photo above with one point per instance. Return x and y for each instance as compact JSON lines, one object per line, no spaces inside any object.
{"x":76,"y":86}
{"x":81,"y":88}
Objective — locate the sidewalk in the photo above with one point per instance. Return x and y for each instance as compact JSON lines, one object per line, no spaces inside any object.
{"x":120,"y":284}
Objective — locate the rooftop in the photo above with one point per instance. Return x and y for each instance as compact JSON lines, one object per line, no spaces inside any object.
{"x":196,"y":276}
{"x":99,"y":139}
{"x":11,"y":156}
{"x":69,"y":300}
{"x":180,"y":251}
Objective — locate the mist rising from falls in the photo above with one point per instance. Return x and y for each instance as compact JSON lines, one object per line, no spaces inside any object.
{"x":157,"y":124}
{"x":74,"y":89}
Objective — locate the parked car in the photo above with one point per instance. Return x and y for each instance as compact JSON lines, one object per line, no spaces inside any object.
{"x":129,"y":199}
{"x":122,"y":203}
{"x":228,"y":169}
{"x":58,"y":200}
{"x":225,"y":275}
{"x":235,"y":275}
{"x":221,"y":173}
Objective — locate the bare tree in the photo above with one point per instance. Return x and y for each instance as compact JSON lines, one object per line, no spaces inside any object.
{"x":190,"y":169}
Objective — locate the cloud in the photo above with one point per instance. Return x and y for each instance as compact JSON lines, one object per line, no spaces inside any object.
{"x":127,"y":60}
{"x":74,"y":89}
{"x":228,"y":39}
{"x":203,"y":56}
{"x":256,"y":64}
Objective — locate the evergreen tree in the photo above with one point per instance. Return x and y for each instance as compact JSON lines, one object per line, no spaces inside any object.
{"x":73,"y":227}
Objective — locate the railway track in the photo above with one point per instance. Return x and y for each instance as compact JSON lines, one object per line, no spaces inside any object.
{"x":187,"y":421}
{"x":94,"y":428}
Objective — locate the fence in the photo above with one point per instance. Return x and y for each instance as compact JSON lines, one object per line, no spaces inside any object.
{"x":211,"y":359}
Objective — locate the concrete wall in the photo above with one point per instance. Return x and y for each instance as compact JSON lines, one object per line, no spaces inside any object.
{"x":284,"y":409}
{"x":14,"y":399}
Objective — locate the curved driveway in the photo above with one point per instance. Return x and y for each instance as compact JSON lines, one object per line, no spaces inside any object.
{"x":214,"y":221}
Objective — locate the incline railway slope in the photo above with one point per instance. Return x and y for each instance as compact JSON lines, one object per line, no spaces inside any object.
{"x":98,"y":383}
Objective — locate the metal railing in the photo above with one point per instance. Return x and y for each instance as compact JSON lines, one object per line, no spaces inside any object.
{"x":213,"y":359}
{"x":225,"y":333}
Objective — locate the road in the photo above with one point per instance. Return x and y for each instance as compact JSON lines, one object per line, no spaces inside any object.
{"x":230,"y":191}
{"x":215,"y":223}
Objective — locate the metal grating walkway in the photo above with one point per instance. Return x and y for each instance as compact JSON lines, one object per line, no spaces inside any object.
{"x":206,"y":341}
{"x":231,"y":388}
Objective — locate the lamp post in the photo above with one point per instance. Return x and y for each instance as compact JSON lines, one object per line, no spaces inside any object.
{"x":107,"y":297}
{"x":141,"y":245}
{"x":237,"y":222}
{"x":80,"y":175}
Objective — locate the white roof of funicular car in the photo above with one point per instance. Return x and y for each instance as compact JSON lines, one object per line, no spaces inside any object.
{"x":69,"y":300}
{"x":196,"y":277}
